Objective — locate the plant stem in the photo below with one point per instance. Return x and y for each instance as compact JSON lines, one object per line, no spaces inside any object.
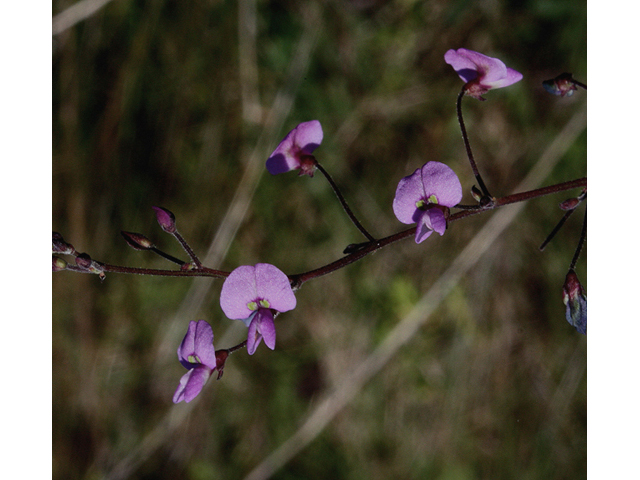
{"x":467,"y":146}
{"x":583,"y":237}
{"x":298,"y":280}
{"x":188,"y":249}
{"x":343,"y":202}
{"x":365,"y":249}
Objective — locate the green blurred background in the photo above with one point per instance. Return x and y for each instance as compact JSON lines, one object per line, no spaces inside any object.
{"x":178,"y":104}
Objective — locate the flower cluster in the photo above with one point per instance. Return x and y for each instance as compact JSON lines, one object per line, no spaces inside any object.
{"x":257,"y":294}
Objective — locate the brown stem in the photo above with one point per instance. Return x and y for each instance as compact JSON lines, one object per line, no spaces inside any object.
{"x":467,"y":146}
{"x":343,"y":202}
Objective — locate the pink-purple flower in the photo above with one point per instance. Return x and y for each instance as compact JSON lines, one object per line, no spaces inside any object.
{"x":196,"y":354}
{"x":481,"y":73}
{"x":294,"y":151}
{"x":575,"y":301}
{"x":252,"y":294}
{"x":424,"y":197}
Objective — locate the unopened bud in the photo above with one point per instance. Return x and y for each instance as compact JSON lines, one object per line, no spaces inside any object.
{"x":60,"y":246}
{"x":569,"y":204}
{"x":563,"y":85}
{"x":576,"y":302}
{"x":137,"y":241}
{"x":476,"y":193}
{"x":166,"y":219}
{"x":85,"y":262}
{"x":58,"y":264}
{"x":221,"y":358}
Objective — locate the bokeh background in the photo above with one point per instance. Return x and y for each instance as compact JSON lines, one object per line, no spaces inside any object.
{"x":178,"y":104}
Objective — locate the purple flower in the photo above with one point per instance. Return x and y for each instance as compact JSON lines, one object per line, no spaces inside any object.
{"x":294,"y":151}
{"x":576,"y":302}
{"x":251,"y":294}
{"x":481,"y":73}
{"x":423,"y":198}
{"x":196,"y":354}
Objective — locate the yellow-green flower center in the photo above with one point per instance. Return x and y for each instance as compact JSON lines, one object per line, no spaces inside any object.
{"x":253,"y":306}
{"x":193,"y":359}
{"x":422,"y":203}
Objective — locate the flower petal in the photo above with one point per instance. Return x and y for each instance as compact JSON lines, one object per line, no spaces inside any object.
{"x":437,"y":221}
{"x":440,"y":180}
{"x":308,"y":136}
{"x":464,"y":67}
{"x":238,"y":290}
{"x":197,"y":342}
{"x":274,"y":286}
{"x":261,"y":327}
{"x":423,"y":228}
{"x":410,"y":190}
{"x":266,"y":327}
{"x":303,"y":139}
{"x":483,"y":70}
{"x":253,"y":336}
{"x":191,"y":384}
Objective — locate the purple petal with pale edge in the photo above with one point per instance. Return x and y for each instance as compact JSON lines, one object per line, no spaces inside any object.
{"x":305,"y":138}
{"x":308,"y":136}
{"x":439,"y":180}
{"x":191,"y":384}
{"x":198,"y":341}
{"x":409,"y":191}
{"x":437,"y":220}
{"x":273,"y":285}
{"x":253,"y":336}
{"x":266,"y":327}
{"x":423,"y":229}
{"x":261,"y":327}
{"x":237,"y":291}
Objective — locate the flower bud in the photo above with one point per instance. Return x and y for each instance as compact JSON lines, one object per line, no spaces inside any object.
{"x":58,"y":264}
{"x":569,"y":204}
{"x":576,"y":302}
{"x":166,"y":219}
{"x":221,"y":358}
{"x":137,"y":241}
{"x":60,"y":246}
{"x":476,"y":193}
{"x":83,"y":260}
{"x":563,"y":85}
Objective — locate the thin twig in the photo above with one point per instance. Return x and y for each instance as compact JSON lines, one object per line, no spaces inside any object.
{"x":344,"y":204}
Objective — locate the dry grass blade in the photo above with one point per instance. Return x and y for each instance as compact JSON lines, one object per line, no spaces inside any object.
{"x":75,"y":14}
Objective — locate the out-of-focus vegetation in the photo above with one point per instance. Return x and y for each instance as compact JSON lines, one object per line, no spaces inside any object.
{"x":178,"y":104}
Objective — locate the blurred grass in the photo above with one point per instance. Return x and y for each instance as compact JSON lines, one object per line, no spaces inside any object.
{"x":152,"y":107}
